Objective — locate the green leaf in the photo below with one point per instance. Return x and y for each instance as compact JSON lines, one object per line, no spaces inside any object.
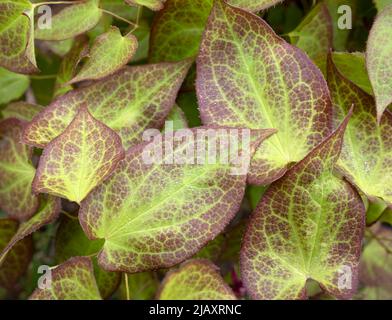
{"x":71,"y":241}
{"x":314,"y":35}
{"x":151,"y":4}
{"x":79,"y":159}
{"x":109,"y":53}
{"x":72,"y":280}
{"x":16,"y":42}
{"x":121,"y":101}
{"x":378,"y":59}
{"x":72,"y":21}
{"x":12,"y":85}
{"x":177,"y":117}
{"x":157,"y":215}
{"x":141,"y":286}
{"x":62,"y":47}
{"x":16,"y":172}
{"x":249,"y":77}
{"x":376,"y":266}
{"x":254,"y":5}
{"x":47,"y":213}
{"x":308,"y":225}
{"x":18,"y":259}
{"x":353,"y":67}
{"x":68,"y":66}
{"x":21,"y":110}
{"x":381,"y":4}
{"x":367,"y":148}
{"x":195,"y":280}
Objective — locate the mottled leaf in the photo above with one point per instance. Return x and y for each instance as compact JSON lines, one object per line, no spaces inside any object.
{"x":21,"y":110}
{"x":249,"y":77}
{"x":72,"y":280}
{"x":16,"y":262}
{"x":155,"y":215}
{"x":12,"y":85}
{"x":151,"y":4}
{"x":71,"y":241}
{"x":16,"y":172}
{"x":79,"y":159}
{"x":353,"y":67}
{"x":129,"y":102}
{"x":314,"y":35}
{"x":109,"y":53}
{"x":308,"y":225}
{"x":16,"y":49}
{"x":376,"y":266}
{"x":47,"y":213}
{"x":378,"y":59}
{"x":367,"y":149}
{"x":195,"y":280}
{"x":71,"y":21}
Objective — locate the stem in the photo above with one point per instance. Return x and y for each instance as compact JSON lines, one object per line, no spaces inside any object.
{"x":127,"y":286}
{"x":44,"y":77}
{"x":138,"y":15}
{"x":69,"y":215}
{"x":55,"y":2}
{"x":119,"y":17}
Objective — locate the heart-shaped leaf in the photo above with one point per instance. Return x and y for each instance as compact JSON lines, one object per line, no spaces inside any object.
{"x":79,"y":159}
{"x":353,"y":67}
{"x":378,"y":59}
{"x":155,"y":214}
{"x":151,"y":4}
{"x":308,"y":225}
{"x":195,"y":280}
{"x":49,"y":211}
{"x":21,"y":110}
{"x":71,"y":242}
{"x":314,"y":35}
{"x":249,"y":77}
{"x":71,"y":21}
{"x":129,"y":102}
{"x":367,"y":149}
{"x":16,"y":172}
{"x":72,"y":280}
{"x":109,"y":53}
{"x":16,"y":262}
{"x":16,"y":36}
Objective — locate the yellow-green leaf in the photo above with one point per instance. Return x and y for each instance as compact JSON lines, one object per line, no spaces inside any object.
{"x":12,"y":85}
{"x":79,"y":159}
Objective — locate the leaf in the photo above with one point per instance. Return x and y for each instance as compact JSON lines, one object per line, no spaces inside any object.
{"x":157,"y":215}
{"x":18,"y":259}
{"x":72,"y":280}
{"x":48,"y":212}
{"x":151,"y":4}
{"x":21,"y":110}
{"x":177,"y":118}
{"x":68,"y":66}
{"x":381,"y":4}
{"x":376,"y":266}
{"x":109,"y":53}
{"x":12,"y":85}
{"x":314,"y":35}
{"x":254,"y":5}
{"x":16,"y":172}
{"x":16,"y":49}
{"x":79,"y":159}
{"x":308,"y":225}
{"x":249,"y":77}
{"x":71,"y":21}
{"x":71,"y":241}
{"x":195,"y":280}
{"x":353,"y":67}
{"x":367,"y":147}
{"x":378,"y":59}
{"x":141,"y":286}
{"x":121,"y":101}
{"x":62,"y":47}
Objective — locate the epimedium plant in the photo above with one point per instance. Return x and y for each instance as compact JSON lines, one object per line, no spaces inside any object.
{"x":309,"y":218}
